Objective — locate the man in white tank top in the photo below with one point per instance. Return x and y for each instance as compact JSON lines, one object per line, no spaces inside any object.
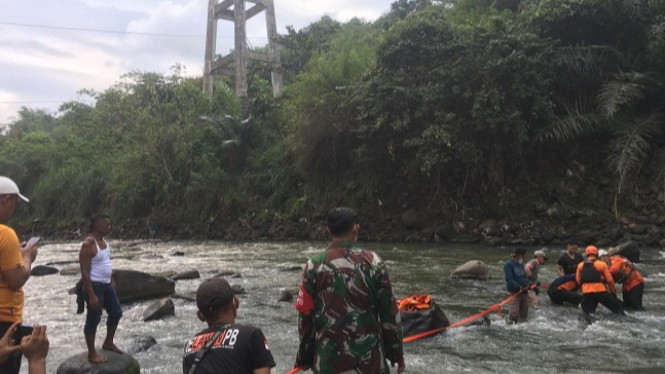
{"x":95,"y":262}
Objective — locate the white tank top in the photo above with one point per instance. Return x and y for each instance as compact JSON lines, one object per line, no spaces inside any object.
{"x":100,"y":267}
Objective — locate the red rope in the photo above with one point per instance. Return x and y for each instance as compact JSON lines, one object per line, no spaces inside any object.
{"x":410,"y":338}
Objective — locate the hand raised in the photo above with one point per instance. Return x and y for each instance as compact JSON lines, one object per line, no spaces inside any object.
{"x":7,"y":346}
{"x":35,"y":346}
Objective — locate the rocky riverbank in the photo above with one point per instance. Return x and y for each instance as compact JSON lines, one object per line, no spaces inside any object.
{"x":549,"y":219}
{"x":409,"y":227}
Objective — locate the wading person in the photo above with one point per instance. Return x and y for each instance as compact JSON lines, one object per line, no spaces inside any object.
{"x":15,"y":265}
{"x":517,"y":284}
{"x":595,"y":279}
{"x":348,"y":320}
{"x":565,"y":290}
{"x":95,"y":262}
{"x":531,"y":270}
{"x":623,"y":271}
{"x":224,"y":347}
{"x":567,"y":263}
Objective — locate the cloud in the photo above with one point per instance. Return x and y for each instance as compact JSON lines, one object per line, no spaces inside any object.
{"x":49,"y":50}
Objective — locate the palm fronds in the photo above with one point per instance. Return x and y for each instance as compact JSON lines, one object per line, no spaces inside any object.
{"x":589,"y":58}
{"x":624,"y":91}
{"x":631,"y":142}
{"x":580,"y":120}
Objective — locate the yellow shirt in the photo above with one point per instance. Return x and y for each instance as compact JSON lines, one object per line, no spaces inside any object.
{"x":11,"y":301}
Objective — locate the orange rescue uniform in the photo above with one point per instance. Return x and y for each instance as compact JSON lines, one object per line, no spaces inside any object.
{"x":623,"y":271}
{"x":593,"y":287}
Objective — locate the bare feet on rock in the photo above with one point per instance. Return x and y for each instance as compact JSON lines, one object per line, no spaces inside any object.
{"x":96,"y":357}
{"x":112,"y":347}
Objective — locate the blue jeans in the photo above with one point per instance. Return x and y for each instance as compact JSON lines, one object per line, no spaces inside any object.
{"x":108,"y":300}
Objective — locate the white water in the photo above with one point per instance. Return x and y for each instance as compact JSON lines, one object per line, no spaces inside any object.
{"x":552,"y":341}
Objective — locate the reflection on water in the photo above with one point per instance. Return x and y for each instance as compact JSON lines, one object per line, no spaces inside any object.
{"x":552,"y":341}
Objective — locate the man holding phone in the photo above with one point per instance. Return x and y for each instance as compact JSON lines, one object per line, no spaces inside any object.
{"x":15,"y":264}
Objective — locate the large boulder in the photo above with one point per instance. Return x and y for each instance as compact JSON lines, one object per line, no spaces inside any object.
{"x":629,"y":250}
{"x":43,"y":270}
{"x":285,"y":296}
{"x":411,"y":219}
{"x":141,"y":344}
{"x":473,"y":269}
{"x":191,"y":274}
{"x":70,"y":270}
{"x":116,"y":364}
{"x":159,"y":309}
{"x":131,"y":285}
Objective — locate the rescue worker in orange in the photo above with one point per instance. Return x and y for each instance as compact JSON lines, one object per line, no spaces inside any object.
{"x":623,"y":271}
{"x":593,"y":276}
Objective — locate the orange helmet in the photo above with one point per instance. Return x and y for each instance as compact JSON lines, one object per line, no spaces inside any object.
{"x":591,"y":250}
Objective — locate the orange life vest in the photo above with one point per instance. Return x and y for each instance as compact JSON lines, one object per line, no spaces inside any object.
{"x":596,"y":275}
{"x":418,"y":301}
{"x":624,"y":271}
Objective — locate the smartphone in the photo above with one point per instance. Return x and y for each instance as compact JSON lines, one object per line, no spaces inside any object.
{"x":20,"y":332}
{"x":32,"y":240}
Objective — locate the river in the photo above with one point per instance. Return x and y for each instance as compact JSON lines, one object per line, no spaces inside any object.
{"x":551,"y":341}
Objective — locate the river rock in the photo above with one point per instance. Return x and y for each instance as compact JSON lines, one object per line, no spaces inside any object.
{"x":141,"y":343}
{"x":487,"y":226}
{"x":473,"y":269}
{"x":166,"y":274}
{"x":237,"y":289}
{"x":192,"y":274}
{"x":159,"y":309}
{"x":70,"y":270}
{"x":116,"y":364}
{"x":134,"y":285}
{"x":43,"y":270}
{"x":445,"y":232}
{"x":629,"y":250}
{"x":226,"y":273}
{"x":411,"y":219}
{"x":286,"y":296}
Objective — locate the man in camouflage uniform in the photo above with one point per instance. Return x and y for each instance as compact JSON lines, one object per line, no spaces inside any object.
{"x":348,"y":320}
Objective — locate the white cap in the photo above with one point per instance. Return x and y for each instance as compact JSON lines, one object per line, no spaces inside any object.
{"x":540,"y":252}
{"x":602,"y":252}
{"x":8,"y":187}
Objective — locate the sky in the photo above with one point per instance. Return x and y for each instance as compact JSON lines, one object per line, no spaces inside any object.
{"x":50,"y":50}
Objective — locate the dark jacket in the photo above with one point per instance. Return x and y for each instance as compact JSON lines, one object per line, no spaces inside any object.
{"x":515,"y":276}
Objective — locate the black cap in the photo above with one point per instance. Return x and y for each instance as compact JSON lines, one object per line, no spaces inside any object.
{"x":213,"y":294}
{"x":519,"y":251}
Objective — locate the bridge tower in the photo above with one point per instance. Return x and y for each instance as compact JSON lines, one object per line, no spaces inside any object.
{"x":235,"y":63}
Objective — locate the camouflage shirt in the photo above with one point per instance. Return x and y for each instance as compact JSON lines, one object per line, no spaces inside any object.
{"x":348,"y":320}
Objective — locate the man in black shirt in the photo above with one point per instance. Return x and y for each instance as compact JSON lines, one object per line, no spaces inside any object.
{"x":224,"y":347}
{"x":567,"y":263}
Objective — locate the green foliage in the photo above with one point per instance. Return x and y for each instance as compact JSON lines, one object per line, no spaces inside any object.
{"x":447,"y":99}
{"x":298,"y":47}
{"x":437,"y":105}
{"x":627,"y":91}
{"x":318,"y":117}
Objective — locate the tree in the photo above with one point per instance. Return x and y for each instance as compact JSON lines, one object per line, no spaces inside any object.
{"x":620,"y":46}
